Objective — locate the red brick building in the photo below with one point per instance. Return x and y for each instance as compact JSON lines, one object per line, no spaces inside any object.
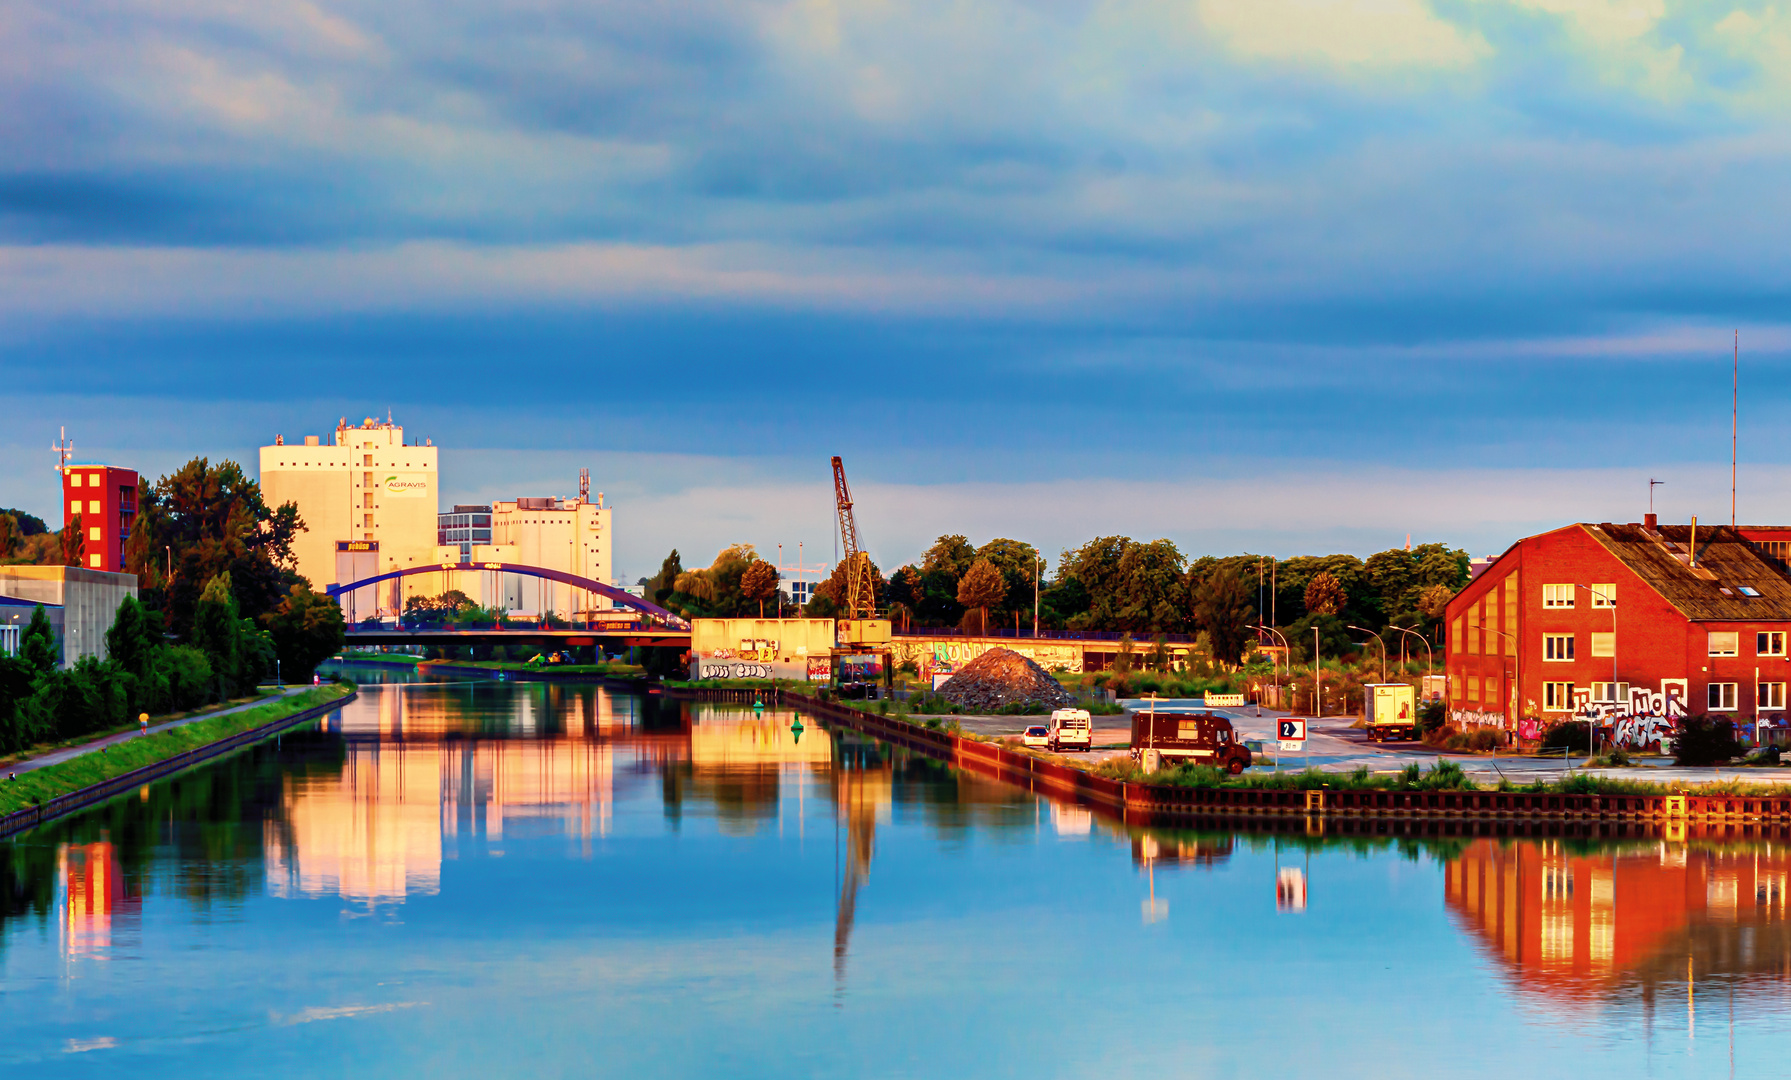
{"x":1629,"y":621}
{"x":105,"y":499}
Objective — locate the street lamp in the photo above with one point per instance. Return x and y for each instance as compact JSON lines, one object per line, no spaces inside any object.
{"x":1429,"y":663}
{"x":1376,"y":637}
{"x":1516,"y":659}
{"x":1038,"y":563}
{"x":1259,"y":627}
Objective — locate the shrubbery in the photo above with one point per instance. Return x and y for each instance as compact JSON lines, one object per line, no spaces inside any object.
{"x":1705,"y":740}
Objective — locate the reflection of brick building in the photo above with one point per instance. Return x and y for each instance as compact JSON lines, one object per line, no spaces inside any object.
{"x":1569,"y":924}
{"x":1627,"y":618}
{"x":95,"y":898}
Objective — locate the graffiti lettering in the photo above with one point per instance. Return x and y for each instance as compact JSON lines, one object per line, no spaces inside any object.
{"x":1643,"y":732}
{"x":707,"y":668}
{"x":1468,"y":718}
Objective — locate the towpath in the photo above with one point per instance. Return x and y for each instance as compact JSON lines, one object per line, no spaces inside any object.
{"x":70,"y":752}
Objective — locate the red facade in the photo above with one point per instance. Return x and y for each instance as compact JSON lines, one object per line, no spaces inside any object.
{"x":105,"y":499}
{"x":1532,"y":640}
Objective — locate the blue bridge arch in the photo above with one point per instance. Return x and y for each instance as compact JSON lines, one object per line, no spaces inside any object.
{"x":626,"y":599}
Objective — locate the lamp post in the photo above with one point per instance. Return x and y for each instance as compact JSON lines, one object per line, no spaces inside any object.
{"x":1429,"y":663}
{"x":1318,"y":676}
{"x":1038,"y":563}
{"x":1376,"y":637}
{"x":1512,"y":696}
{"x":1259,"y":627}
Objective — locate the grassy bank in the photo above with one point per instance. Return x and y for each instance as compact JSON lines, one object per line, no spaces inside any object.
{"x":47,"y":783}
{"x":40,"y":749}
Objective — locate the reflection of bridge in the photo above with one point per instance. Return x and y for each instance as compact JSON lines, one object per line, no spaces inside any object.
{"x":653,"y":625}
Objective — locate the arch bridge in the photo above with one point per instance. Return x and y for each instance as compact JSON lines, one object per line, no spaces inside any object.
{"x":653,"y":625}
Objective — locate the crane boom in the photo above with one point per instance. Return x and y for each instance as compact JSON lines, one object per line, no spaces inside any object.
{"x":861,"y":591}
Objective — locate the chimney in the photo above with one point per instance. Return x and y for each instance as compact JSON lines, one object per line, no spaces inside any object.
{"x":1693,"y":548}
{"x":1651,"y":522}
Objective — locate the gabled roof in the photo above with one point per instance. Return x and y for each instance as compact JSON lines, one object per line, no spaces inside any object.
{"x":1712,"y":590}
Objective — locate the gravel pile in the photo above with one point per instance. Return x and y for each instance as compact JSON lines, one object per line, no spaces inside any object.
{"x":1003,"y":677}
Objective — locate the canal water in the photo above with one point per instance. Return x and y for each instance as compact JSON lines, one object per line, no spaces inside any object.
{"x":499,"y":879}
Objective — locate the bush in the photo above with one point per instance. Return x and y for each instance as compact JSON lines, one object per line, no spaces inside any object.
{"x":1568,"y":735}
{"x":1432,"y":715}
{"x":1705,"y":740}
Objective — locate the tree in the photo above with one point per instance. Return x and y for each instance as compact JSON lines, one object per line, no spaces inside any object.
{"x":210,"y":520}
{"x":73,"y":543}
{"x":1130,"y":585}
{"x":1018,"y":563}
{"x":982,"y":587}
{"x":1434,"y":601}
{"x":9,"y":535}
{"x":660,"y":585}
{"x":1223,"y":609}
{"x":307,"y":629}
{"x":951,"y":554}
{"x":37,"y":646}
{"x":133,"y":643}
{"x":759,"y":582}
{"x":830,"y":595}
{"x":28,"y":524}
{"x":1324,"y":596}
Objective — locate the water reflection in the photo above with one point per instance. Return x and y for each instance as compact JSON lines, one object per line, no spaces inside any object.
{"x":1577,"y":924}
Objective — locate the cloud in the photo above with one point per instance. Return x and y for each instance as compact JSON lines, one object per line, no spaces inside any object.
{"x":1350,"y":33}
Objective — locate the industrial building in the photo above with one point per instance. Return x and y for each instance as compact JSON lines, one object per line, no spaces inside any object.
{"x":1636,"y":620}
{"x":81,"y":605}
{"x":366,"y":489}
{"x":572,"y":536}
{"x":103,"y":499}
{"x":463,"y":527}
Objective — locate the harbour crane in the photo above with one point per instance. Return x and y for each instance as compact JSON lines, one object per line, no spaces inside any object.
{"x":859,"y":624}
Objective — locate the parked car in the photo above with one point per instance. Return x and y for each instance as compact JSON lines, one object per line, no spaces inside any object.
{"x":1036,"y":735}
{"x":1071,"y":729}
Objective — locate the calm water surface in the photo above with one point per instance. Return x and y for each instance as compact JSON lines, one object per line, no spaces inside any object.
{"x":503,"y":879}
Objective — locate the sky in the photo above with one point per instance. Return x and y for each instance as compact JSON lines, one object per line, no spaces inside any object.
{"x":1284,"y":276}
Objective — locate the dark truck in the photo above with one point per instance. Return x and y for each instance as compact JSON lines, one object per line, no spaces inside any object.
{"x":1189,"y":738}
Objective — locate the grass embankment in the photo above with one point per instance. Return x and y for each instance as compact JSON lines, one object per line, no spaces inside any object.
{"x":396,"y":659}
{"x":40,"y":749}
{"x":51,"y":781}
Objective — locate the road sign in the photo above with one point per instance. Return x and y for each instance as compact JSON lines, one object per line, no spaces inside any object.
{"x":1292,"y":746}
{"x":1291,"y":729}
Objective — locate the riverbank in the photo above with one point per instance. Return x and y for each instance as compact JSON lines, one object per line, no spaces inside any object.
{"x":38,"y":751}
{"x":29,"y":799}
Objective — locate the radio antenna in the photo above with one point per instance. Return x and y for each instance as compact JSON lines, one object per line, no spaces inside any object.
{"x":1734,"y":424}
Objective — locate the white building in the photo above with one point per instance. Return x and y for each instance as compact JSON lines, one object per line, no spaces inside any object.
{"x":569,"y":535}
{"x":367,"y":488}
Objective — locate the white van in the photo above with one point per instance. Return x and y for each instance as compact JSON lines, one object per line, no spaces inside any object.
{"x":1071,"y":730}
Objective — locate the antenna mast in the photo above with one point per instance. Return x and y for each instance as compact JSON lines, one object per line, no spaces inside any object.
{"x":1734,"y":424}
{"x":63,"y":449}
{"x":861,"y":591}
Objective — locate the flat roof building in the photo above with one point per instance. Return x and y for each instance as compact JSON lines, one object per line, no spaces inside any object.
{"x":81,"y":605}
{"x":367,"y":486}
{"x":103,"y":500}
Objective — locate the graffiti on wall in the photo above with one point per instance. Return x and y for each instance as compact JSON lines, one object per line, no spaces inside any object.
{"x":1471,"y":718}
{"x":708,"y":668}
{"x":1643,"y":732}
{"x":951,"y":654}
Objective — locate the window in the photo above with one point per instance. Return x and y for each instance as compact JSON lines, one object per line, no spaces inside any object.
{"x":93,"y":506}
{"x":1557,"y":697}
{"x":1748,"y":591}
{"x":1610,"y":693}
{"x":1473,"y":688}
{"x":93,"y":533}
{"x":74,"y":479}
{"x":1769,"y":643}
{"x":1557,"y":646}
{"x":1603,"y":596}
{"x":1604,"y":644}
{"x":93,"y":561}
{"x":1772,"y":695}
{"x":1557,"y":596}
{"x":1721,"y":696}
{"x":1724,"y":642}
{"x":74,"y":506}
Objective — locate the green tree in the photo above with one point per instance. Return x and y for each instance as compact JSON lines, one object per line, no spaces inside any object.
{"x":37,"y":645}
{"x":1222,"y":609}
{"x":1019,"y":566}
{"x":209,"y":520}
{"x":307,"y":629}
{"x":982,"y":588}
{"x":951,"y":554}
{"x":660,"y":585}
{"x":28,"y":524}
{"x":9,"y":535}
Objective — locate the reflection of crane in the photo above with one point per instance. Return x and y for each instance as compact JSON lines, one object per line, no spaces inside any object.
{"x":851,"y":790}
{"x":861,"y":587}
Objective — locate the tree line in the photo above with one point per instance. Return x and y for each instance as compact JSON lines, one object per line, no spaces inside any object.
{"x":221,"y":607}
{"x":1117,"y":584}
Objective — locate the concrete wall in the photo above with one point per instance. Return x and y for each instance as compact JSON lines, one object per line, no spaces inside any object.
{"x":88,"y":601}
{"x":787,"y":641}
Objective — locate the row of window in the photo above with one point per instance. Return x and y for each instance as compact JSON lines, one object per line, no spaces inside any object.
{"x":1560,"y":647}
{"x":1561,"y":596}
{"x":1719,"y":696}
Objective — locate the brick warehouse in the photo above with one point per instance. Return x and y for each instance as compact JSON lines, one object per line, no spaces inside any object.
{"x":1627,"y":621}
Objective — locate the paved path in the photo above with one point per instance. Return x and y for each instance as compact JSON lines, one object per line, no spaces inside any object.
{"x":59,"y":756}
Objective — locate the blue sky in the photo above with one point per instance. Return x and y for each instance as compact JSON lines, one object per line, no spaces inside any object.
{"x":1284,"y":275}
